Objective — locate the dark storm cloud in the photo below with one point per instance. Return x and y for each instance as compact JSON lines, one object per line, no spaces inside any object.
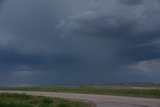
{"x":121,"y":22}
{"x":1,"y":2}
{"x":17,"y":58}
{"x":27,"y":19}
{"x":129,"y":27}
{"x":131,"y":2}
{"x":99,"y":41}
{"x":31,"y":23}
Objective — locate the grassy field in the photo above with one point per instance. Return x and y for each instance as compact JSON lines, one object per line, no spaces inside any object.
{"x":149,"y":92}
{"x":23,"y":100}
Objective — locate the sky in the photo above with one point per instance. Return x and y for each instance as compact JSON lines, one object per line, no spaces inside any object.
{"x":77,"y":42}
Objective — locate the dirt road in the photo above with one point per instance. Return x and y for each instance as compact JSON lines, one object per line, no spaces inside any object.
{"x":99,"y":100}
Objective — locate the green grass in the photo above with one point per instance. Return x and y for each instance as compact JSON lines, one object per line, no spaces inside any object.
{"x":150,"y":92}
{"x":23,"y":100}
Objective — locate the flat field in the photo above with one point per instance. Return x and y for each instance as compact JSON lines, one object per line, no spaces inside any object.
{"x":23,"y":100}
{"x":132,"y":91}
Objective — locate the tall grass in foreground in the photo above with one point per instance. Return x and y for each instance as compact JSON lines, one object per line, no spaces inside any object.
{"x":23,"y":100}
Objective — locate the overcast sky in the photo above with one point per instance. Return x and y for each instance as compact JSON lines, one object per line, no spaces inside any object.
{"x":74,"y":42}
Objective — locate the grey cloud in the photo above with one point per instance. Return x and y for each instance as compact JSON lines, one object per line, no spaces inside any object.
{"x":31,"y":23}
{"x":93,"y":23}
{"x":120,"y":21}
{"x":131,"y":2}
{"x":93,"y":40}
{"x":126,"y":27}
{"x":153,"y":43}
{"x":151,"y":68}
{"x":1,"y":2}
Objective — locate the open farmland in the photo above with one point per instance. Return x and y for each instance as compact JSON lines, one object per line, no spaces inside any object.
{"x":136,"y":91}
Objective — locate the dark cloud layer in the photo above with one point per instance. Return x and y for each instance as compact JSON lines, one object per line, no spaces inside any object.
{"x":79,"y":42}
{"x":1,"y":3}
{"x":131,"y":2}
